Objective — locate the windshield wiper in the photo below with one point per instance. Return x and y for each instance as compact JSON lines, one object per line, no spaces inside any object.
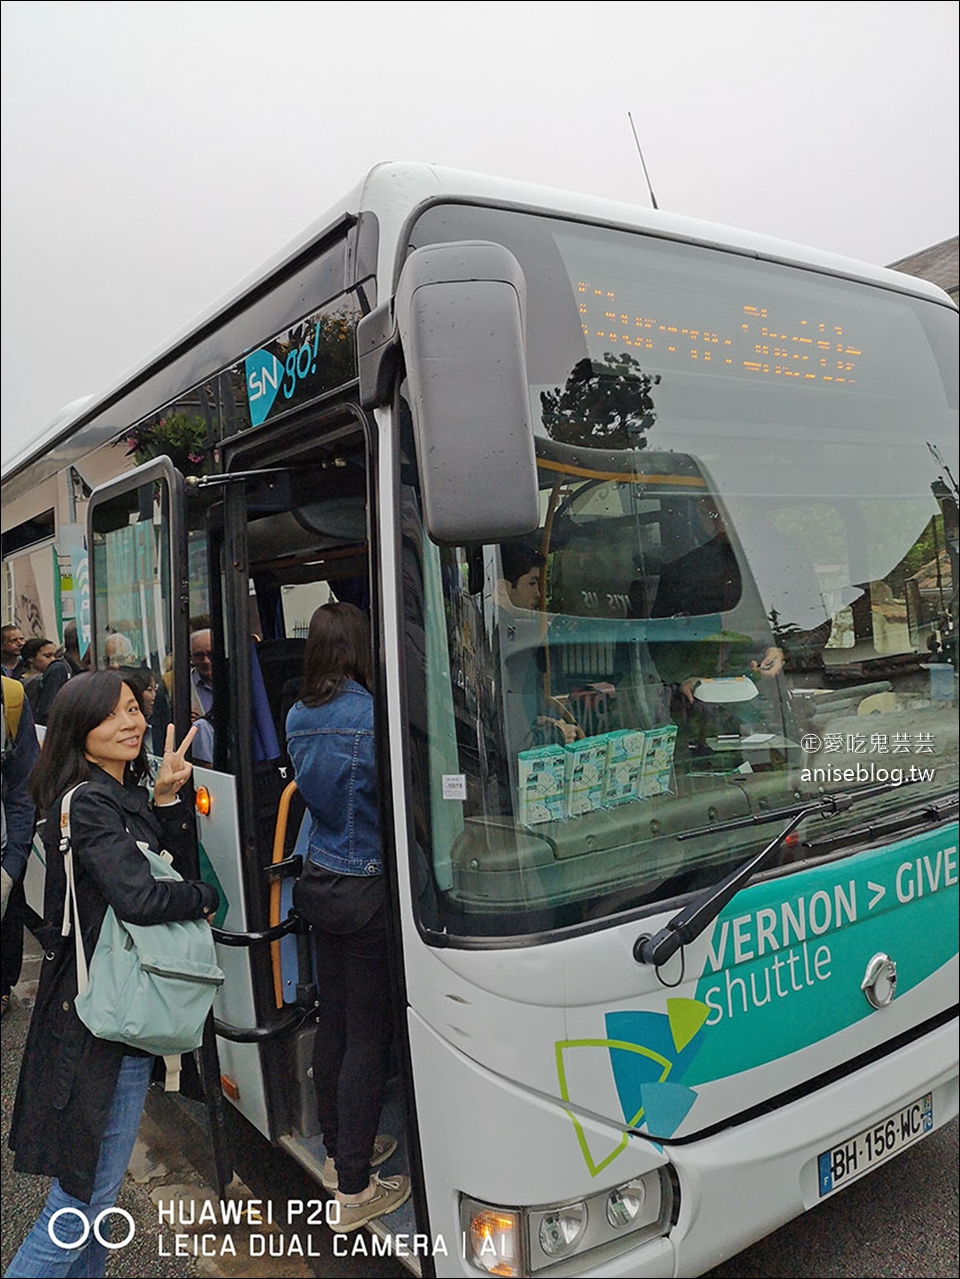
{"x":932,"y":813}
{"x":690,"y":922}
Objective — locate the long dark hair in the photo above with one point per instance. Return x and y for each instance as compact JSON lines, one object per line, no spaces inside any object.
{"x":82,"y":704}
{"x":31,"y":648}
{"x":139,"y":679}
{"x":338,"y":649}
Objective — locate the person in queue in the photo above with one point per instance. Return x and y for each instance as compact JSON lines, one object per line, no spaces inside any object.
{"x":17,"y":820}
{"x":144,"y":683}
{"x":201,"y":694}
{"x":12,"y":640}
{"x":201,"y":674}
{"x":79,"y":1098}
{"x":118,"y":652}
{"x":71,"y":650}
{"x":44,"y":676}
{"x":30,"y":667}
{"x":330,"y":740}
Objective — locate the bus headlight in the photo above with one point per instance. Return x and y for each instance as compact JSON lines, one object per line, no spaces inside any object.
{"x":523,"y":1241}
{"x":561,"y":1228}
{"x":625,"y":1203}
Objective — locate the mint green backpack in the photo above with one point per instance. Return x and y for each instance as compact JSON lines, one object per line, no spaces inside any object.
{"x":150,"y":986}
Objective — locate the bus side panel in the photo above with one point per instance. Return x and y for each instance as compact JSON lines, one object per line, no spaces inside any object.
{"x":771,"y":996}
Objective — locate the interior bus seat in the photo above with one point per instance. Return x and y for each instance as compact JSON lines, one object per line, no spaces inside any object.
{"x":269,"y":759}
{"x":281,"y":662}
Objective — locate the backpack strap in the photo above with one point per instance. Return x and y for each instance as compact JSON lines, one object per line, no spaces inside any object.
{"x":70,"y":897}
{"x":172,"y":1064}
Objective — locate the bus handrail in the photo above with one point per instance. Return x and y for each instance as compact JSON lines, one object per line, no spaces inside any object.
{"x":256,"y":1034}
{"x":289,"y":925}
{"x":279,"y":840}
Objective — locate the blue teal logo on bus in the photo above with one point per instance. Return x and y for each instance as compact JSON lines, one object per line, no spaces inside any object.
{"x":263,"y":373}
{"x":267,"y":376}
{"x":649,"y":1054}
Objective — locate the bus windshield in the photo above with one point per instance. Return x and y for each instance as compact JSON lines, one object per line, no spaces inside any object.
{"x":742,"y":592}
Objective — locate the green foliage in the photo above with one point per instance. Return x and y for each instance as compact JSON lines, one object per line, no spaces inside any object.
{"x":925,"y":549}
{"x":336,"y":349}
{"x":179,"y":436}
{"x":607,"y":406}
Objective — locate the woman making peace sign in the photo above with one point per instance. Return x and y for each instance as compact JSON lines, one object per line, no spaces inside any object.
{"x":79,"y":1098}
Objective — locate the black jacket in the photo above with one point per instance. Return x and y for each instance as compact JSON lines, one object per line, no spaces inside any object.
{"x":45,"y":688}
{"x":68,"y":1076}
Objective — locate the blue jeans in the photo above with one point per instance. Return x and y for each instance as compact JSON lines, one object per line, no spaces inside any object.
{"x":39,"y":1257}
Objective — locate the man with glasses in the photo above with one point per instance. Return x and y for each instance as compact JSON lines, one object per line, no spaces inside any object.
{"x":201,"y":695}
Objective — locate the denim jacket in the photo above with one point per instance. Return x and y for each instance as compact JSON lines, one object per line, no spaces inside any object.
{"x":331,"y":748}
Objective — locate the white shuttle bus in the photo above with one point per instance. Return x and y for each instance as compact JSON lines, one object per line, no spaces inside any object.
{"x":670,"y":836}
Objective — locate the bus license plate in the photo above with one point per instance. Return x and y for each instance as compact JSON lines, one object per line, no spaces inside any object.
{"x":841,"y":1165}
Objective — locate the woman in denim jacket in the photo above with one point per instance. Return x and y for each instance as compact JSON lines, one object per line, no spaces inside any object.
{"x":330,"y":740}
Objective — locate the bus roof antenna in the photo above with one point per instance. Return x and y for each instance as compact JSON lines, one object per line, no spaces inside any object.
{"x":653,"y":198}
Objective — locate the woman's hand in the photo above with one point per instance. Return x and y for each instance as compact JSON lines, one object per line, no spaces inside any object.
{"x":174,"y":770}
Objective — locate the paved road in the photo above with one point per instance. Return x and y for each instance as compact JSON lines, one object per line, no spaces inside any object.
{"x":900,"y":1222}
{"x":163,"y":1183}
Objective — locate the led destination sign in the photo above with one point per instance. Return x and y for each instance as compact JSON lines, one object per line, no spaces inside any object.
{"x":753,"y":339}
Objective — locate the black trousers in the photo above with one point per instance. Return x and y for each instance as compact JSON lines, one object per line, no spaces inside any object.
{"x":351,"y":1049}
{"x":18,"y":914}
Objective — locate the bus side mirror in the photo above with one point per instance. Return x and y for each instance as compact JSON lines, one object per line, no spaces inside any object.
{"x":458,"y":319}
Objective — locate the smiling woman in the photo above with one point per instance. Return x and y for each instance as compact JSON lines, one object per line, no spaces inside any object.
{"x":116,"y":741}
{"x":79,"y":1098}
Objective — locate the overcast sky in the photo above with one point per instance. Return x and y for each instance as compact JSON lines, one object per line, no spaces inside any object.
{"x":155,"y":153}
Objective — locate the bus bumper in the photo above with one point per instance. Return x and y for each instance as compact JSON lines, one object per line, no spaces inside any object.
{"x":741,"y":1184}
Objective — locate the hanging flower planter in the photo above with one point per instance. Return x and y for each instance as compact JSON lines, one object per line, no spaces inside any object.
{"x":178,"y":436}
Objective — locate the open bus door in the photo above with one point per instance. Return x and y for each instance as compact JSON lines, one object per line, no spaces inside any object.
{"x":136,"y":538}
{"x":291,"y":527}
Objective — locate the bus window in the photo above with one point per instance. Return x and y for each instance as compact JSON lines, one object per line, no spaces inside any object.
{"x":738,"y":554}
{"x":132,"y":551}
